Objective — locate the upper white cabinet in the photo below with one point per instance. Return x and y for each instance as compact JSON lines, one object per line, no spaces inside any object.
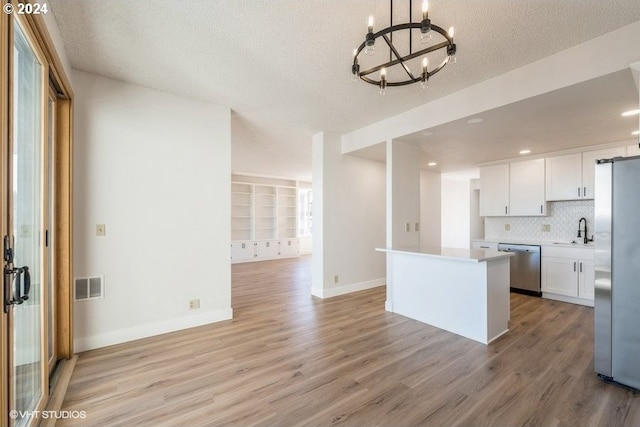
{"x":526,"y":188}
{"x":494,"y":190}
{"x":564,"y":177}
{"x":515,"y":189}
{"x":572,"y":176}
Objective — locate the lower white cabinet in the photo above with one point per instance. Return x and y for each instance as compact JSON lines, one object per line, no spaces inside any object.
{"x":568,"y":274}
{"x":262,"y":250}
{"x":242,"y":251}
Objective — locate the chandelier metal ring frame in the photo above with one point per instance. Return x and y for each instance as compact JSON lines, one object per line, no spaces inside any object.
{"x":424,"y":26}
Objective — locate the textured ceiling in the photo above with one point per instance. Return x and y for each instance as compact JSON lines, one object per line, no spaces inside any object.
{"x":283,"y":66}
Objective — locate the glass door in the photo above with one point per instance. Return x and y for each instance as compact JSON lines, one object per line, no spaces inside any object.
{"x":25,"y":262}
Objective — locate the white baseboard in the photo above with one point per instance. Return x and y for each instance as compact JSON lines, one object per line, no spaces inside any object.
{"x":347,"y":289}
{"x":564,"y":298}
{"x":150,"y":329}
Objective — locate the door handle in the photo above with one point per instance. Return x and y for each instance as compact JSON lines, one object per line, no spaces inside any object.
{"x":21,"y":286}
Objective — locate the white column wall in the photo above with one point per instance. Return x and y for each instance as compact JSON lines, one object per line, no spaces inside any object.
{"x":348,"y":220}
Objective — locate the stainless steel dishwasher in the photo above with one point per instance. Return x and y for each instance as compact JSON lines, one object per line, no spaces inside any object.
{"x":524,"y":268}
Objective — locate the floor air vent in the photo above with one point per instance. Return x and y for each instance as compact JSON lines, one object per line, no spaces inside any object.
{"x":88,"y":288}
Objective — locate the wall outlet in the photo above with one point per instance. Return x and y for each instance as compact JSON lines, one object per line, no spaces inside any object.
{"x":546,"y":228}
{"x":507,"y":227}
{"x":194,"y":304}
{"x":417,"y":226}
{"x":101,"y":230}
{"x":407,"y":226}
{"x":335,"y":279}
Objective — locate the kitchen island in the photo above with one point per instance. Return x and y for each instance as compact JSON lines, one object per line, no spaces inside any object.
{"x":464,"y":291}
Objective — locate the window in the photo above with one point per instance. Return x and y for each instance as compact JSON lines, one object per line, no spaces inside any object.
{"x":305,"y":205}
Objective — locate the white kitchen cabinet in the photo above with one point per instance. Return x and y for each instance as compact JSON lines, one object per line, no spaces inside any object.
{"x":515,"y":189}
{"x":589,"y":167}
{"x":568,"y":274}
{"x":572,"y":176}
{"x":586,"y":279}
{"x":559,"y":276}
{"x":494,"y":190}
{"x":526,"y":188}
{"x":563,"y":177}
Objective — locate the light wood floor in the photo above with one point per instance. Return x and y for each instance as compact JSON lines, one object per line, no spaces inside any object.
{"x":288,"y":359}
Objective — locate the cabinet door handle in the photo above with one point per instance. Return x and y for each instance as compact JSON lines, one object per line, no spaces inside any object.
{"x":505,"y":210}
{"x":541,"y":209}
{"x":580,"y":267}
{"x":578,"y":191}
{"x":484,"y":247}
{"x":584,"y":191}
{"x":574,"y":266}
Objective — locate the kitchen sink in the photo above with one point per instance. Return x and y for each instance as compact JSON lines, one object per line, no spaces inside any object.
{"x":573,"y":242}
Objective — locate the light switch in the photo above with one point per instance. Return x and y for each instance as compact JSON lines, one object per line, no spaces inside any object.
{"x":417,"y":226}
{"x":407,"y":226}
{"x":507,"y":227}
{"x":101,"y":230}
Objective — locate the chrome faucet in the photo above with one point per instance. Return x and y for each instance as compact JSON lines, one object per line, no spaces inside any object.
{"x":580,"y":231}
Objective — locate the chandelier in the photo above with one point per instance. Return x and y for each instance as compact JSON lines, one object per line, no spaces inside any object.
{"x":427,"y":45}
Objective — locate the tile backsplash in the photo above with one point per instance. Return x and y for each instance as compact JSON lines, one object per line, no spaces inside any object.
{"x":562,"y":218}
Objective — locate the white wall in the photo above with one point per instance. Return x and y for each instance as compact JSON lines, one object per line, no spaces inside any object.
{"x":348,"y":219}
{"x":430,"y":209}
{"x":457,"y":194}
{"x":403,"y":194}
{"x":155,"y":168}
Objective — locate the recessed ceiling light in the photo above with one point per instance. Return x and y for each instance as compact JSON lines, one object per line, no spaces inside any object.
{"x":427,"y":133}
{"x":431,"y":164}
{"x":525,"y":151}
{"x":630,"y":113}
{"x":635,"y":132}
{"x":475,"y":120}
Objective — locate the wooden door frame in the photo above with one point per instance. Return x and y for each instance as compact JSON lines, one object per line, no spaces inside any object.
{"x":63,"y":187}
{"x":63,"y":170}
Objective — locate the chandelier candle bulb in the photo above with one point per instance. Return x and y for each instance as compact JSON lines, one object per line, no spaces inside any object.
{"x":383,"y":81}
{"x":370,"y":24}
{"x":425,"y":73}
{"x":425,"y":9}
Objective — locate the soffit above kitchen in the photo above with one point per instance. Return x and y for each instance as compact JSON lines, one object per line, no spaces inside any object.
{"x":283,"y":66}
{"x":576,"y":116}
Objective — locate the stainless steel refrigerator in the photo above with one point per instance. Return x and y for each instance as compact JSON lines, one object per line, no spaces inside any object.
{"x":617,"y":264}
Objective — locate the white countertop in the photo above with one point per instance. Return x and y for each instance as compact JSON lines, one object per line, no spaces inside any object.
{"x":577,"y":244}
{"x":468,"y":255}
